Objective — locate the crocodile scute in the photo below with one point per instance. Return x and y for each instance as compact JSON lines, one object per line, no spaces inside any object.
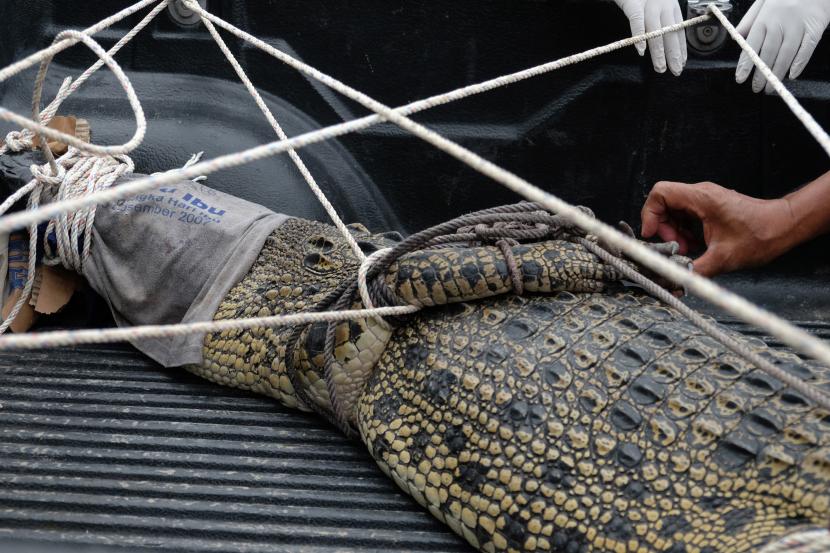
{"x":584,"y":417}
{"x":584,"y":422}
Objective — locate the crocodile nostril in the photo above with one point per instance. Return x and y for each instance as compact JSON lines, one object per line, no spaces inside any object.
{"x":322,"y":243}
{"x":312,"y":260}
{"x":320,"y":263}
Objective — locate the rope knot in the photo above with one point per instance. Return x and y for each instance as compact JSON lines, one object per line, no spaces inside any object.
{"x":17,"y":141}
{"x":491,"y":233}
{"x":43,"y":175}
{"x":516,"y":275}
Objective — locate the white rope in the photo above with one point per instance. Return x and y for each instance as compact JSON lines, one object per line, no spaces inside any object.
{"x":21,"y":140}
{"x":99,"y":336}
{"x":739,"y":307}
{"x":38,"y":128}
{"x":84,"y":175}
{"x":227,"y":161}
{"x":732,"y":303}
{"x":295,"y":157}
{"x":67,"y":239}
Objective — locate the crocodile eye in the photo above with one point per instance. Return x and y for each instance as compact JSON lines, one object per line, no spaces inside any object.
{"x":393,"y":235}
{"x":367,"y":247}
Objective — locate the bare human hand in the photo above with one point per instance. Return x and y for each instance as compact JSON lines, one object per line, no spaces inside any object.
{"x":738,"y":231}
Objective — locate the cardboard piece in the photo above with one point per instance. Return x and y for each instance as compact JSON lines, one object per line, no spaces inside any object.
{"x":51,"y":291}
{"x":78,"y":128}
{"x":35,"y":287}
{"x":83,"y":130}
{"x":62,"y":124}
{"x":56,"y":288}
{"x":25,"y":318}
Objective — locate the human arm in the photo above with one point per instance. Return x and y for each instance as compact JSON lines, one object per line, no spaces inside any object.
{"x":810,"y":207}
{"x":738,"y":231}
{"x":649,"y":15}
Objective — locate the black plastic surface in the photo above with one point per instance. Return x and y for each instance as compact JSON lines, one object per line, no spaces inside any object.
{"x":100,"y":448}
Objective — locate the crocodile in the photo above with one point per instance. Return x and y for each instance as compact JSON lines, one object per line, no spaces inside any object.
{"x":583,"y":416}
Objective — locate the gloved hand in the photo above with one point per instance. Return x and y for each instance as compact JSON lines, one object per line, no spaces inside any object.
{"x":785,"y":34}
{"x":650,"y":15}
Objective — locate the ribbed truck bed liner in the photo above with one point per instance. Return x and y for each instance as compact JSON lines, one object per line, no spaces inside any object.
{"x":100,"y":448}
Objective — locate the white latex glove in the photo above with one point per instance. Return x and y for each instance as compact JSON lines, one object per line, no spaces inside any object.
{"x":649,"y":15}
{"x":785,"y":34}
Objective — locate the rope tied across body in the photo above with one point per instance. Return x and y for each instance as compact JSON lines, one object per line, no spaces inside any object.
{"x":503,"y":227}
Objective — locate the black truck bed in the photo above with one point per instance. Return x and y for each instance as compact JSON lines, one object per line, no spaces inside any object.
{"x":101,"y":447}
{"x":102,"y":450}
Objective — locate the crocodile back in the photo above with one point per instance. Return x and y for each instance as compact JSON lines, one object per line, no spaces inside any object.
{"x":595,"y":422}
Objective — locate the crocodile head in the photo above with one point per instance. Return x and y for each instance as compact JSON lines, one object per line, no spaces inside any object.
{"x":300,"y":264}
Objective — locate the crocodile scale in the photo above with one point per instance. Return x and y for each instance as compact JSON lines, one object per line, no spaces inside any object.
{"x":585,"y":417}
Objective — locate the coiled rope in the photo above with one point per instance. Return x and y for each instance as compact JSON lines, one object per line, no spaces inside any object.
{"x":17,"y":141}
{"x":73,"y":174}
